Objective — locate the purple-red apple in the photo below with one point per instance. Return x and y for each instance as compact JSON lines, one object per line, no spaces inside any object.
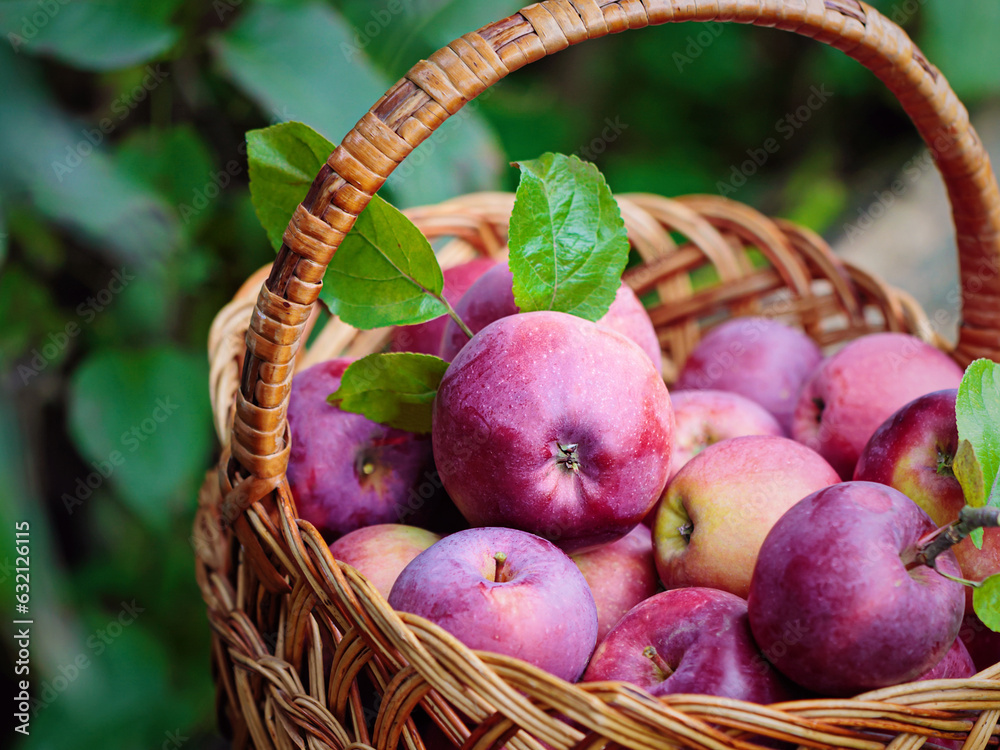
{"x":620,"y":575}
{"x":381,"y":552}
{"x":854,"y":391}
{"x":425,"y":338}
{"x":492,"y":298}
{"x":716,"y":512}
{"x":955,"y":664}
{"x":549,"y":423}
{"x":759,"y":358}
{"x":842,"y":564}
{"x":913,"y":451}
{"x":692,"y":640}
{"x":346,"y":471}
{"x":982,"y":643}
{"x":704,"y":418}
{"x":505,"y":591}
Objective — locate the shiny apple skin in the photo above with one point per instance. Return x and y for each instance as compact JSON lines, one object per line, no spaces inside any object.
{"x":530,"y":383}
{"x":620,"y":575}
{"x":492,"y":298}
{"x":855,"y":390}
{"x":836,"y":565}
{"x":703,"y":635}
{"x":381,"y":552}
{"x":761,"y":359}
{"x":955,"y":664}
{"x":731,"y":493}
{"x":541,"y":611}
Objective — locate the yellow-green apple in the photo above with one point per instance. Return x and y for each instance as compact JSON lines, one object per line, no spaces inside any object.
{"x":843,"y":562}
{"x":759,"y":358}
{"x":381,"y":552}
{"x":704,"y":418}
{"x":854,"y":391}
{"x":955,"y":664}
{"x":913,"y":451}
{"x":551,"y":424}
{"x":425,"y":338}
{"x":716,"y":512}
{"x":693,"y":640}
{"x":620,"y":575}
{"x":346,"y":471}
{"x":492,"y":298}
{"x":505,"y":591}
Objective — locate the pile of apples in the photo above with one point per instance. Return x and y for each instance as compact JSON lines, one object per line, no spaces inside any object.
{"x":751,"y":534}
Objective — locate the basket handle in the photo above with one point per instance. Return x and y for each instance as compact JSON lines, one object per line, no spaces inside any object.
{"x":437,"y":88}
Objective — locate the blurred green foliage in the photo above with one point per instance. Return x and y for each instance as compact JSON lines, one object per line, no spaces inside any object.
{"x":126,"y":223}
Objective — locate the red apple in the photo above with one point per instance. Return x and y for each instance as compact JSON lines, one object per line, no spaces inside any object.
{"x":851,"y":393}
{"x":549,"y":423}
{"x":620,"y":575}
{"x":346,"y":471}
{"x":425,"y":338}
{"x":955,"y":664}
{"x":504,"y":591}
{"x":380,"y":552}
{"x":842,"y":564}
{"x":492,"y":298}
{"x":759,"y":358}
{"x":982,"y":643}
{"x":913,"y":451}
{"x":704,"y":418}
{"x":716,"y":512}
{"x":692,"y":640}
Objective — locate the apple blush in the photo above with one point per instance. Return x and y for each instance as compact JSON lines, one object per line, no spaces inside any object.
{"x":551,"y":424}
{"x":841,"y":568}
{"x":692,"y":640}
{"x":504,"y":591}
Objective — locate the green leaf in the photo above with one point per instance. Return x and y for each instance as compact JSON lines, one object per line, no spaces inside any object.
{"x":976,"y":535}
{"x":969,"y":474}
{"x":977,"y":410}
{"x":384,"y":273}
{"x":960,"y":38}
{"x":293,"y":61}
{"x":395,"y":389}
{"x":143,"y":419}
{"x":568,"y":244}
{"x":986,"y":602}
{"x":80,"y":33}
{"x":284,"y":160}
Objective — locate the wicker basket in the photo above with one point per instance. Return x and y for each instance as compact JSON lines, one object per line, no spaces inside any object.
{"x":307,"y":654}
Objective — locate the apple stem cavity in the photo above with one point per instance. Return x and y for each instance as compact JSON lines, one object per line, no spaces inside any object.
{"x":500,"y":573}
{"x":948,"y":536}
{"x":820,"y":405}
{"x":685,"y":531}
{"x":568,"y":456}
{"x":665,"y":670}
{"x":944,"y":463}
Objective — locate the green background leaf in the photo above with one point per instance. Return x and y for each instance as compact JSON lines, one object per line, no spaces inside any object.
{"x":284,"y":160}
{"x":568,"y":244}
{"x":152,"y":408}
{"x":382,"y":271}
{"x":969,"y":474}
{"x":396,"y":389}
{"x":977,"y":409}
{"x":986,"y":601}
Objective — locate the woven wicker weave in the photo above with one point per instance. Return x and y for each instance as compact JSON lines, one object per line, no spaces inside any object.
{"x":307,"y":654}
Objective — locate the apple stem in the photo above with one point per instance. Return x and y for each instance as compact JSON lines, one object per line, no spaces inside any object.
{"x":568,"y":456}
{"x":685,"y":531}
{"x":956,"y":579}
{"x":650,"y":653}
{"x":946,"y":537}
{"x":454,"y":316}
{"x":499,"y":575}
